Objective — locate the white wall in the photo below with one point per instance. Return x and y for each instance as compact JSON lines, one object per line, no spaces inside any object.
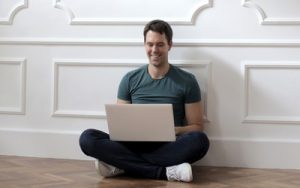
{"x":61,"y":60}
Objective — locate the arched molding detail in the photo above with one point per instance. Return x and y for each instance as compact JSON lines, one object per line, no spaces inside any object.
{"x":187,"y":20}
{"x":199,"y":8}
{"x":12,"y":13}
{"x":264,"y":20}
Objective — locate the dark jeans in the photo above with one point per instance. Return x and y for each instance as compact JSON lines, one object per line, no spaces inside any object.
{"x":144,"y":159}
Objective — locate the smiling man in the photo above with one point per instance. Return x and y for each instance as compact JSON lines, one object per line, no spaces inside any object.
{"x":156,"y":83}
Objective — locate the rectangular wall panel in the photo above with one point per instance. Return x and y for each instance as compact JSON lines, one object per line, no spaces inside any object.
{"x":12,"y":86}
{"x":83,"y":86}
{"x":272,"y":92}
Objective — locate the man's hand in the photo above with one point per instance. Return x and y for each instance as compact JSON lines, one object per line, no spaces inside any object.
{"x":120,"y":101}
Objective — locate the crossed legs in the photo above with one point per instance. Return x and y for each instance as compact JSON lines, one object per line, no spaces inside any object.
{"x":144,"y":159}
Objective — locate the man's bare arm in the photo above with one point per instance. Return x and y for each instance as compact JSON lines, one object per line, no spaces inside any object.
{"x":194,"y":119}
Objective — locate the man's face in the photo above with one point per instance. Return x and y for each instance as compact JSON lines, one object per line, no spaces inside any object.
{"x":157,"y":48}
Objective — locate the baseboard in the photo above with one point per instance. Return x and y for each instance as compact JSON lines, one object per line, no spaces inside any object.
{"x":41,"y":143}
{"x":227,"y":152}
{"x":253,"y":153}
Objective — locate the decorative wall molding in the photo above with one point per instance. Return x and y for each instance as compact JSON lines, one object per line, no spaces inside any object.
{"x":133,"y":20}
{"x":265,"y":20}
{"x":139,"y":42}
{"x":222,"y":154}
{"x":262,"y":119}
{"x":83,"y":63}
{"x":133,"y":63}
{"x":8,"y":20}
{"x":21,"y":62}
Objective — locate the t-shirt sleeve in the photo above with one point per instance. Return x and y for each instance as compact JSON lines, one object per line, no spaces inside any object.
{"x":124,"y":90}
{"x":193,"y":92}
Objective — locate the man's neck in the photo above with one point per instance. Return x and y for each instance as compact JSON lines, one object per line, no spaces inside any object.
{"x":158,"y":72}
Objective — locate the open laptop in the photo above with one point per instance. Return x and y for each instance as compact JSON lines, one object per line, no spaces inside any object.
{"x":140,"y":122}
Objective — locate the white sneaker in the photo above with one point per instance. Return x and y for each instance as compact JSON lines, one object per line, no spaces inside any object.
{"x":107,"y":170}
{"x":181,"y":172}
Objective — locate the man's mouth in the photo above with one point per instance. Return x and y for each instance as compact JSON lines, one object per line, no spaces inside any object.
{"x":155,"y":58}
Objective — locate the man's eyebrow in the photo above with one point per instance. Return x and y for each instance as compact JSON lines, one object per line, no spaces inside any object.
{"x":155,"y":42}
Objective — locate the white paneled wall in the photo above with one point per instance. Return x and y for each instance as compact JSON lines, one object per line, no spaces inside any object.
{"x":62,"y":60}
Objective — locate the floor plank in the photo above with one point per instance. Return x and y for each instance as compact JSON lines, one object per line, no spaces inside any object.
{"x":30,"y":172}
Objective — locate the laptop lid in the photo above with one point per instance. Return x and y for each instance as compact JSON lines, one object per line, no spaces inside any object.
{"x":140,"y":122}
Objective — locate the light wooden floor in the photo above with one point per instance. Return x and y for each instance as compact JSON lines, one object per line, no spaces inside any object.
{"x":17,"y":172}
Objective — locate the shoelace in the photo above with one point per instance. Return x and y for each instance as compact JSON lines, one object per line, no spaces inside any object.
{"x":172,"y":173}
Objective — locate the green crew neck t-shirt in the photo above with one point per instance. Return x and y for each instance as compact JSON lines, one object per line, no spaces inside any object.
{"x":177,"y":87}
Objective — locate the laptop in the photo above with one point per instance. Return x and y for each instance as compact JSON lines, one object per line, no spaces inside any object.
{"x":140,"y":122}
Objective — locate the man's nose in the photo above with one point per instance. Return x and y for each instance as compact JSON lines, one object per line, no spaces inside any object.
{"x":154,"y":48}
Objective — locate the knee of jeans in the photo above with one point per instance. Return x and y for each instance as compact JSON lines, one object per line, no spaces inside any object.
{"x":202,"y":139}
{"x":85,"y":140}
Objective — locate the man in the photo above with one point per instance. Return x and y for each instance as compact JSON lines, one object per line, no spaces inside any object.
{"x":157,"y":82}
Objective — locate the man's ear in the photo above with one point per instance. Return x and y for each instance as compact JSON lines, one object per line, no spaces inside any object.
{"x":170,"y":45}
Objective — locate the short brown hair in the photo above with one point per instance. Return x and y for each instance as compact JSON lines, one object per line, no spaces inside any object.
{"x":161,"y":27}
